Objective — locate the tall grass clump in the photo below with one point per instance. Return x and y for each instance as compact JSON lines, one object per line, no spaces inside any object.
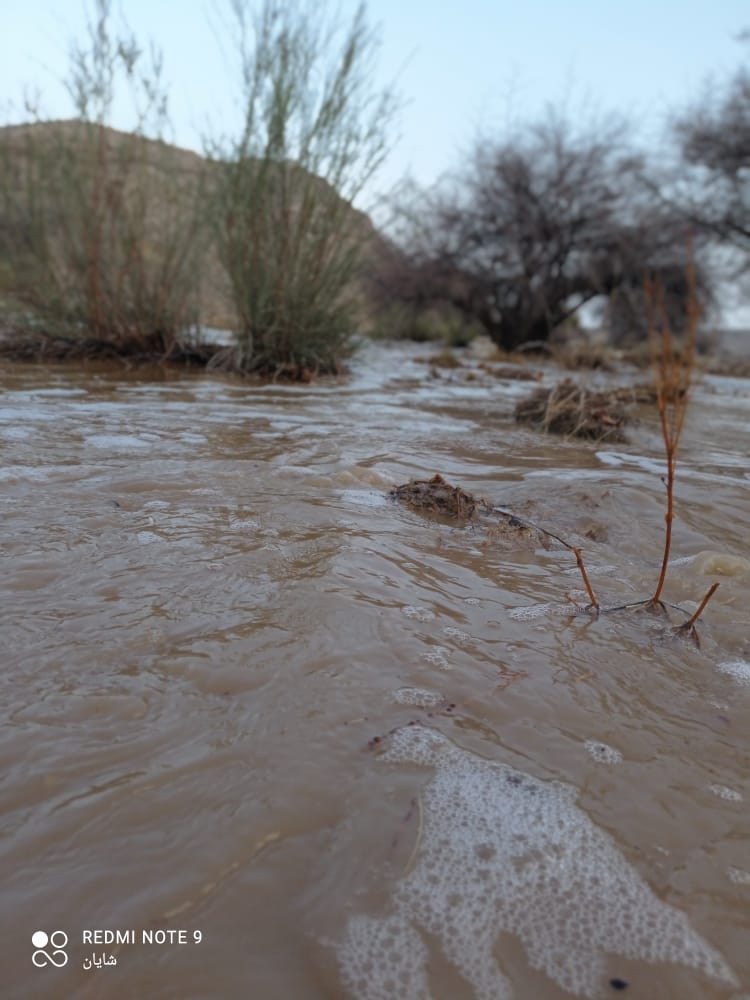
{"x":99,"y":241}
{"x":314,"y":130}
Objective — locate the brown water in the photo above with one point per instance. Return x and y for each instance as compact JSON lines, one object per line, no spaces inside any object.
{"x":208,"y":611}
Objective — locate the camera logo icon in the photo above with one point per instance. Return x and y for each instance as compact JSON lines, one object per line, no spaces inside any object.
{"x":56,"y":942}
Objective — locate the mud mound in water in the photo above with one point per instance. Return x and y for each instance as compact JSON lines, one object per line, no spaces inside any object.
{"x":436,"y":496}
{"x":501,"y":852}
{"x":571,"y":409}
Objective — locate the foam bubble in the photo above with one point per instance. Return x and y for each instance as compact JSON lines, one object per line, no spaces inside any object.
{"x":438,"y":657}
{"x":542,"y":611}
{"x":458,"y":635}
{"x":725,"y":793}
{"x":739,"y":669}
{"x":503,"y":852}
{"x":421,"y":614}
{"x":602,"y":753}
{"x":738,"y":875}
{"x":419,"y":697}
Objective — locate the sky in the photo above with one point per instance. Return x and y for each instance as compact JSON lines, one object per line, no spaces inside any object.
{"x":463,"y":69}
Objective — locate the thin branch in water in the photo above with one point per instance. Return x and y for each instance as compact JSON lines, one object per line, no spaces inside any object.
{"x":687,"y":629}
{"x":584,"y":574}
{"x":673,"y":375}
{"x":572,"y":548}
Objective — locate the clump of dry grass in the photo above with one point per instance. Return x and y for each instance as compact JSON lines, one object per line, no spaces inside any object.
{"x":580,"y":355}
{"x":573,"y":410}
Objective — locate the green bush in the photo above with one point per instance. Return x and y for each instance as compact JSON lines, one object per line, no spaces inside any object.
{"x":314,"y":132}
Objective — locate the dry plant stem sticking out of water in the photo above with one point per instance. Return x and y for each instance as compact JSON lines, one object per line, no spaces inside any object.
{"x":673,"y":366}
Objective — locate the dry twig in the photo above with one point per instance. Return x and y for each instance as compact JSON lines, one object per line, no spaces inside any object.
{"x":673,"y":366}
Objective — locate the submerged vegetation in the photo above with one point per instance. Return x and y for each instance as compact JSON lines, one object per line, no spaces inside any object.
{"x":570,"y":409}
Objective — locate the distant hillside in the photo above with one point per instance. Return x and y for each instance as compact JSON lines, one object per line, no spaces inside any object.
{"x":172,"y":174}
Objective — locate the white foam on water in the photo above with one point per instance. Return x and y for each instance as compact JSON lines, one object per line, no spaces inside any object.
{"x":542,"y":611}
{"x":738,"y":875}
{"x":438,"y":656}
{"x":739,"y":669}
{"x":529,"y":613}
{"x":602,"y":753}
{"x":421,"y":614}
{"x":458,"y":635}
{"x":723,"y":706}
{"x":725,"y":793}
{"x":419,"y":697}
{"x":503,"y":852}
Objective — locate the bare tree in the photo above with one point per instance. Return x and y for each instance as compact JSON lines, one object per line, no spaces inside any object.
{"x":714,"y":144}
{"x":533,"y":228}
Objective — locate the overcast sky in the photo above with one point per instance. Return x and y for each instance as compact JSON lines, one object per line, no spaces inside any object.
{"x":461,"y":67}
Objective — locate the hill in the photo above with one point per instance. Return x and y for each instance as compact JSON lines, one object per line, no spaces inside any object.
{"x":55,"y":176}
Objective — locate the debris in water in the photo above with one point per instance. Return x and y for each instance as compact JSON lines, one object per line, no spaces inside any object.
{"x":571,"y":409}
{"x":436,"y":496}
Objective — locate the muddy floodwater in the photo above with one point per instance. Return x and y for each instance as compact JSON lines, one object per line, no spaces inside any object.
{"x":267,"y":733}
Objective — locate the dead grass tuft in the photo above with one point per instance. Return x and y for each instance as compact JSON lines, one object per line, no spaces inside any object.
{"x":582,"y":356}
{"x":573,"y":410}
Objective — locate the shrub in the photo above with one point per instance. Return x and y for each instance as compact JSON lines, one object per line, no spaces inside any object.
{"x":314,"y":132}
{"x":96,"y":239}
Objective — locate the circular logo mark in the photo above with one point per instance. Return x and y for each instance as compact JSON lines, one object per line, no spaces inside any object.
{"x":57,"y":942}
